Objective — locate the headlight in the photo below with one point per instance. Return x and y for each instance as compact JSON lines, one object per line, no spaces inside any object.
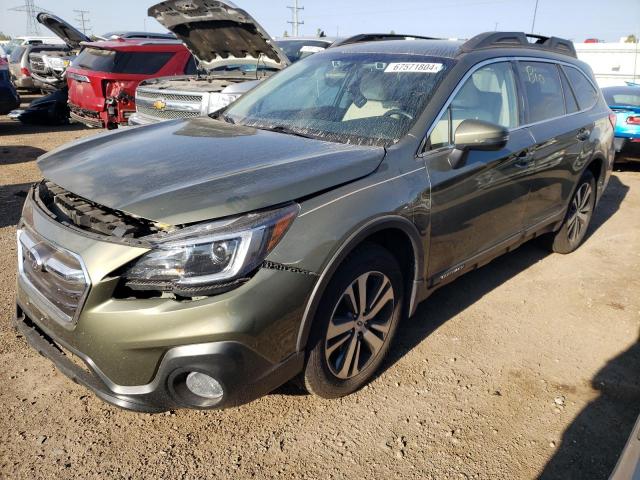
{"x":202,"y":259}
{"x":221,"y":100}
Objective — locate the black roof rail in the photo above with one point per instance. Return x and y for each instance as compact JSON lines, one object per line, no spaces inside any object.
{"x":520,"y":40}
{"x":377,"y":37}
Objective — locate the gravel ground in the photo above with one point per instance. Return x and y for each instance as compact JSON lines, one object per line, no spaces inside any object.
{"x":525,"y":368}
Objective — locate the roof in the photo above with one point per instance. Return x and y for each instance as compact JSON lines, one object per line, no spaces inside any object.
{"x":134,"y":44}
{"x":433,"y":48}
{"x":488,"y":41}
{"x":144,"y":35}
{"x":328,"y":40}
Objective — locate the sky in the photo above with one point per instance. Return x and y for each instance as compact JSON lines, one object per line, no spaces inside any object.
{"x":574,"y":19}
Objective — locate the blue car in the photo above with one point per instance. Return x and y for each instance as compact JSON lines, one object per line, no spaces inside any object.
{"x":625,"y":102}
{"x":9,"y":98}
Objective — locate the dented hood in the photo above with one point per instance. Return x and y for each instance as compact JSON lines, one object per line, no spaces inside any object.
{"x":218,"y":33}
{"x":187,"y":171}
{"x":70,"y":35}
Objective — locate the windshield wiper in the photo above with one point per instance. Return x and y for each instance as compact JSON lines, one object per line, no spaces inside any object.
{"x":286,"y":130}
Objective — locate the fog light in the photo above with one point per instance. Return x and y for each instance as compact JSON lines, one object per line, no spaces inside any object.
{"x":204,"y":386}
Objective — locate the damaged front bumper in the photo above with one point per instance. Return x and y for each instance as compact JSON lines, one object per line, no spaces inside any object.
{"x":136,"y":352}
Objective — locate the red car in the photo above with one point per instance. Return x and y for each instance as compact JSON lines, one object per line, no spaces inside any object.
{"x":103,"y":77}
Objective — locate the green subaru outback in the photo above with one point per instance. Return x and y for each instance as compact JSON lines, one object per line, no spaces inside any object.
{"x":202,"y":263}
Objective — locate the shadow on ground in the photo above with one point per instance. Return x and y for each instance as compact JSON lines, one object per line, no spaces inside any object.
{"x":19,"y":154}
{"x":11,"y":199}
{"x":593,"y":443}
{"x":9,"y":127}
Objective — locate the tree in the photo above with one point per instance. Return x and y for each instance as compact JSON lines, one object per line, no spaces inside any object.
{"x":320,"y":33}
{"x":286,"y":34}
{"x":4,"y":37}
{"x":392,"y":32}
{"x":631,"y":39}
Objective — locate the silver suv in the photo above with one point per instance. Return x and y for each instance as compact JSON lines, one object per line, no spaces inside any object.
{"x":233,"y":52}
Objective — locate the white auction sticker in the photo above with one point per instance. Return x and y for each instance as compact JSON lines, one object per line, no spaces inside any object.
{"x":413,"y":67}
{"x":311,"y":49}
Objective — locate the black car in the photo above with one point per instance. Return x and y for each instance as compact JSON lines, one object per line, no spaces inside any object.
{"x":203,"y":262}
{"x":9,"y":98}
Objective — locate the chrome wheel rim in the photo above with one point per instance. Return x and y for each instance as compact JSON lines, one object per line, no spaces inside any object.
{"x":359,"y":325}
{"x":580,"y":213}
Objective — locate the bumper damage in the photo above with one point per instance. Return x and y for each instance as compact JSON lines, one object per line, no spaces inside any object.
{"x":244,"y":374}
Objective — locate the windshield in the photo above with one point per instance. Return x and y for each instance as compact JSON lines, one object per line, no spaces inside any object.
{"x":298,"y":49}
{"x":366,"y":99}
{"x":111,"y":61}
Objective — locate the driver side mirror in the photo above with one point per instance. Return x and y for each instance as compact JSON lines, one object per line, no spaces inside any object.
{"x":477,"y":135}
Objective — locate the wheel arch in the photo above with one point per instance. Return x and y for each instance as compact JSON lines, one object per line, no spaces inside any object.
{"x":380,"y":230}
{"x":597,"y":166}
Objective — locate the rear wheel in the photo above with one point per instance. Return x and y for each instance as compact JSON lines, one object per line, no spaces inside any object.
{"x":576,"y":223}
{"x":355,"y":323}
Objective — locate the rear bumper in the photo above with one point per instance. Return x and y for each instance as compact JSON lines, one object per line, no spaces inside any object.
{"x":244,"y":374}
{"x":89,"y":118}
{"x":627,"y":148}
{"x":24,"y":82}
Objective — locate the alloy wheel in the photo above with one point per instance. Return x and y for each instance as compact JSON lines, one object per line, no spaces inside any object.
{"x":580,"y":213}
{"x":360,"y":325}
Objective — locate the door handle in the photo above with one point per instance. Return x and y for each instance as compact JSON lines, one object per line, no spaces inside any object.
{"x":524,"y":159}
{"x":583,"y":135}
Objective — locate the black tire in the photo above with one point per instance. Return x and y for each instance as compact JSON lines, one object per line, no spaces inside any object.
{"x":381,"y":274}
{"x":579,"y":215}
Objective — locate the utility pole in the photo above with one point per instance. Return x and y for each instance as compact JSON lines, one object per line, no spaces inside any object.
{"x":33,"y":27}
{"x":83,"y":20}
{"x":535,"y":13}
{"x":296,"y":22}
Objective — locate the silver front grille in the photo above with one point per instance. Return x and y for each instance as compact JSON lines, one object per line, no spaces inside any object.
{"x":164,"y":105}
{"x":166,"y":114}
{"x":55,"y":275}
{"x":160,"y":95}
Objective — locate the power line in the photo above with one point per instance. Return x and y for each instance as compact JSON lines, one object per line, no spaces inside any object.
{"x":83,"y":20}
{"x":295,"y":22}
{"x":535,"y":13}
{"x":31,"y":9}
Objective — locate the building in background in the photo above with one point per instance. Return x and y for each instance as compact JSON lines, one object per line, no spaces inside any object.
{"x":612,"y":63}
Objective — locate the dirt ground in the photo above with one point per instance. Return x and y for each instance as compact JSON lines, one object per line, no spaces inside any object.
{"x":526,"y":368}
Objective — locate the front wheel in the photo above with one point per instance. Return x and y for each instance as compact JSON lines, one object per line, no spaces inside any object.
{"x":576,"y":223}
{"x":355,"y":323}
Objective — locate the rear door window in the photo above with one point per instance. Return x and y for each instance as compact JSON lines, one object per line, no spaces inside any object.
{"x":585,"y":92}
{"x":543,"y":89}
{"x":110,"y":61}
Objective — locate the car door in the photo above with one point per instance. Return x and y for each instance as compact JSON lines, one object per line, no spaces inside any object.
{"x":559,"y":131}
{"x":480,"y":204}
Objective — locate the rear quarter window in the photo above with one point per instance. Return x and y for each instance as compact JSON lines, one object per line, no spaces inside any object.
{"x":16,"y":54}
{"x":543,"y":88}
{"x":586,"y":93}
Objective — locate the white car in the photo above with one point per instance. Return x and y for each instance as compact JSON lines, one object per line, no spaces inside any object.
{"x":233,"y":53}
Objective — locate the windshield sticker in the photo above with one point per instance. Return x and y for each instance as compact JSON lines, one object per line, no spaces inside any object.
{"x":311,"y":49}
{"x":414,"y":67}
